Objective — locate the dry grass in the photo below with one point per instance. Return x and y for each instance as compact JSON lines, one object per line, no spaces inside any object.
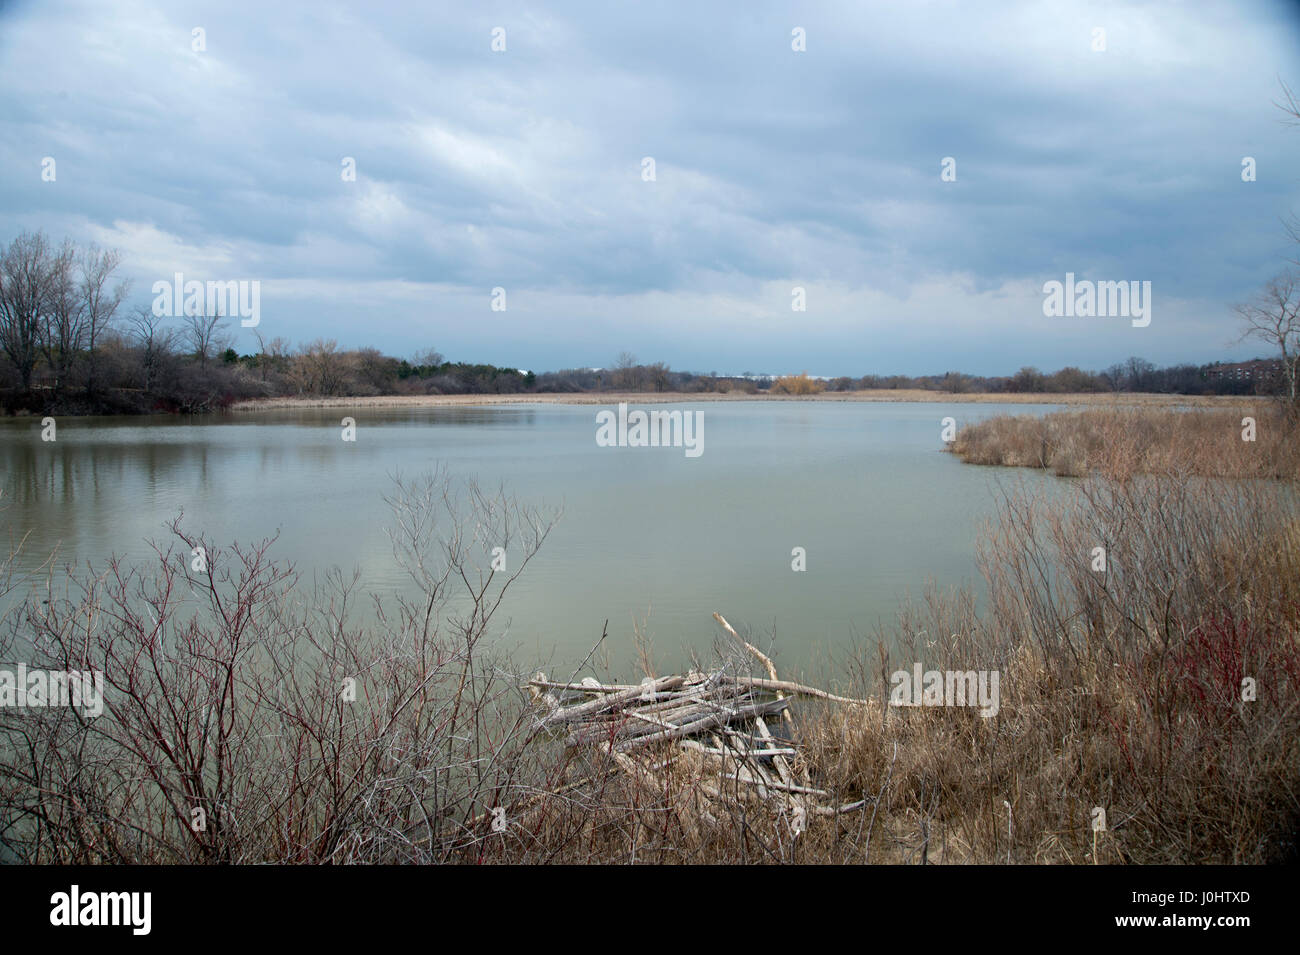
{"x":1207,"y":442}
{"x":799,"y":384}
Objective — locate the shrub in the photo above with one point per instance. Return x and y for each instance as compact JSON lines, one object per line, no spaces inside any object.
{"x":799,"y":384}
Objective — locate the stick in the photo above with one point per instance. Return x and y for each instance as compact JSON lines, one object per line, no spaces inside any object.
{"x":836,"y":810}
{"x":771,"y":671}
{"x":807,"y":790}
{"x":707,"y":722}
{"x":713,"y":751}
{"x":788,"y":687}
{"x":595,"y":706}
{"x":584,"y":687}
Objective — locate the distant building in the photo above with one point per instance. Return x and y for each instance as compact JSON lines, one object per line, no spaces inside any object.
{"x":1261,"y":371}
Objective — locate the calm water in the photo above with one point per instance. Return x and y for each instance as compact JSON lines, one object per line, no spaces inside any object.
{"x":864,"y":488}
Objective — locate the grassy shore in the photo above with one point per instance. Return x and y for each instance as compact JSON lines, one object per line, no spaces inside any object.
{"x":1253,"y":439}
{"x":1125,"y":399}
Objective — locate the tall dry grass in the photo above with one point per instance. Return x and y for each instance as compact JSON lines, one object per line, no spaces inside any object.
{"x":1121,"y":689}
{"x":799,"y":384}
{"x":1146,"y":440}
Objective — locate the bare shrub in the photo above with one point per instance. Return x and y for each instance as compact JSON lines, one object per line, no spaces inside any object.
{"x":230,"y":732}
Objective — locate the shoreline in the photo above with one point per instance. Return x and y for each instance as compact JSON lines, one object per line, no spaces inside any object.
{"x":891,"y":396}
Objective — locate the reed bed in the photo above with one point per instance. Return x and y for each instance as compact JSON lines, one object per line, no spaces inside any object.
{"x":1208,"y":442}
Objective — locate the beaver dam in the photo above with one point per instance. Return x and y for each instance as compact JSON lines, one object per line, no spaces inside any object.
{"x":723,"y":733}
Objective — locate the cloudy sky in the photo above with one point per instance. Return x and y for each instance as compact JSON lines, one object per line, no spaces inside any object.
{"x":774,"y":169}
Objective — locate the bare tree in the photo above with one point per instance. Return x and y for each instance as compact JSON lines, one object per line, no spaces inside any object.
{"x":320,"y":368}
{"x":1290,"y":105}
{"x":206,"y":334}
{"x":63,"y":322}
{"x":373,"y":369}
{"x":24,"y":280}
{"x":660,"y":375}
{"x":100,"y":303}
{"x":261,"y":352}
{"x":626,"y":373}
{"x":1273,"y":317}
{"x":1139,"y":372}
{"x":55,"y":304}
{"x":427,"y":358}
{"x":273,"y":353}
{"x":154,"y":339}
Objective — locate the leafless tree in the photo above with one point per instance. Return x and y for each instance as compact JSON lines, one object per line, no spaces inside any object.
{"x":373,"y":370}
{"x":1138,"y":372}
{"x":55,"y":304}
{"x":320,"y":368}
{"x":100,"y":302}
{"x":1273,"y":317}
{"x":659,"y":374}
{"x":1289,"y":104}
{"x":24,"y":279}
{"x":273,"y":353}
{"x":206,"y":334}
{"x":427,"y":358}
{"x":63,"y":323}
{"x":1114,"y":377}
{"x":154,"y":339}
{"x":262,"y":358}
{"x":626,"y":372}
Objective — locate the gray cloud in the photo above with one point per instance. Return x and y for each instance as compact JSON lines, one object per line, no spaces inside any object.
{"x":522,"y":169}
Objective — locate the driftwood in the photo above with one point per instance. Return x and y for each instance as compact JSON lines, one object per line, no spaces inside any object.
{"x":799,"y":689}
{"x":717,"y":716}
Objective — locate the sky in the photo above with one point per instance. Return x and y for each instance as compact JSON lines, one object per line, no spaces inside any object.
{"x":222,"y":154}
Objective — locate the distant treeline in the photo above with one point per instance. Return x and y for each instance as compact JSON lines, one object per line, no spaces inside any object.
{"x":68,"y":345}
{"x":134,"y":373}
{"x":1259,"y":376}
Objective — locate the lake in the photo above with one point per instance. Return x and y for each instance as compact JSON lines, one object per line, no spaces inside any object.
{"x":863,"y":487}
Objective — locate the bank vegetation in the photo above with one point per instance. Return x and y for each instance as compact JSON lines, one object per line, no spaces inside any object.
{"x":1249,"y":440}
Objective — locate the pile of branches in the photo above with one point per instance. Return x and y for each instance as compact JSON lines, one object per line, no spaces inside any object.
{"x":720,"y":717}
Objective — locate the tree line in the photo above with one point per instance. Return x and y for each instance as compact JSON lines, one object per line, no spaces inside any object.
{"x":68,"y":345}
